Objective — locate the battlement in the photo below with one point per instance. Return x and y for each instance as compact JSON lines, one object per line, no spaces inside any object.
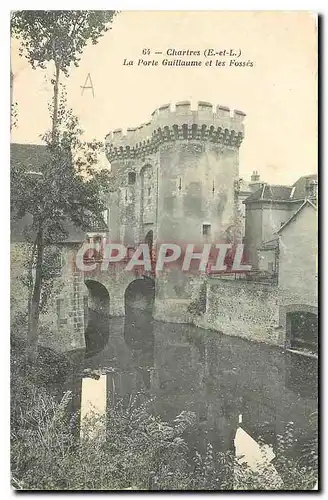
{"x":180,"y":122}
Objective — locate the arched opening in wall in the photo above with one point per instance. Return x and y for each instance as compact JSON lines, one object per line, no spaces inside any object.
{"x":138,"y":326}
{"x":140,"y":295}
{"x":302,"y":329}
{"x":300,"y":322}
{"x":96,"y":317}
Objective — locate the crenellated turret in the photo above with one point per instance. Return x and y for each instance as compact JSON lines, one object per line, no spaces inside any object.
{"x":181,"y":123}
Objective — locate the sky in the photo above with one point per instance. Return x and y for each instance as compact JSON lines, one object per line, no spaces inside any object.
{"x":278,"y":94}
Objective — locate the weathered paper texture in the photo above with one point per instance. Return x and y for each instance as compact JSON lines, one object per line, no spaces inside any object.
{"x":208,"y":127}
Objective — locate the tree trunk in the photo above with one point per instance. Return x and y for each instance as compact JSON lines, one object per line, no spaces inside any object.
{"x":34,"y":312}
{"x":56,"y":95}
{"x":34,"y":299}
{"x":30,"y":283}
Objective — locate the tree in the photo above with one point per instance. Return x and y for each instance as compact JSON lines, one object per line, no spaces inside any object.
{"x":13,"y":105}
{"x":59,"y":193}
{"x":58,"y":37}
{"x":68,"y":188}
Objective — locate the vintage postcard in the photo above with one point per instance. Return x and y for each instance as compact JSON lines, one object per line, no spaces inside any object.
{"x":164,"y":270}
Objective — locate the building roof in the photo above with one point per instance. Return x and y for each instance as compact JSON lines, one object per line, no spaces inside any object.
{"x":270,"y":192}
{"x":269,"y":244}
{"x":306,"y":203}
{"x":275,"y":192}
{"x":33,"y":157}
{"x":20,"y":227}
{"x":300,"y":191}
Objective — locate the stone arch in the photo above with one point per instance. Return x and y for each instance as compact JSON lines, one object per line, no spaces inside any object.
{"x":98,"y":297}
{"x":115,"y":279}
{"x":145,"y":168}
{"x":96,"y":314}
{"x":140,"y":295}
{"x":290,"y":316}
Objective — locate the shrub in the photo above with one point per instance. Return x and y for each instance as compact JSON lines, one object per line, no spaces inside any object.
{"x":132,"y":449}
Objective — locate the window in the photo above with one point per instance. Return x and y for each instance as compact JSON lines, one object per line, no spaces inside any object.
{"x":149,"y":191}
{"x":131,"y":178}
{"x":130,"y":251}
{"x":206,"y":229}
{"x":127,"y":194}
{"x":61,"y":317}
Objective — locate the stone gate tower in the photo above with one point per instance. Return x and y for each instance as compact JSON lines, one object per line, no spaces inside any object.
{"x":175,"y":178}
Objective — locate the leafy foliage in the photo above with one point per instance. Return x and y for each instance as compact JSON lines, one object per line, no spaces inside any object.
{"x":130,"y":449}
{"x":58,"y":35}
{"x":139,"y":452}
{"x":68,"y":187}
{"x":68,"y":191}
{"x":56,"y":194}
{"x":14,"y":115}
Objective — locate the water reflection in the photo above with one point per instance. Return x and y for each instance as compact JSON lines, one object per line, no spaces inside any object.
{"x":217,"y":377}
{"x":96,"y":317}
{"x":97,"y":332}
{"x":139,"y":337}
{"x":93,"y":403}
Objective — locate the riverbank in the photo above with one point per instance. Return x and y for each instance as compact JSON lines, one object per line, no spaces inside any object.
{"x":180,"y":370}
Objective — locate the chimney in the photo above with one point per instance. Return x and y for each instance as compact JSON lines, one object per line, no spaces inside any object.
{"x":255,"y":183}
{"x":255,"y":177}
{"x":312,"y":190}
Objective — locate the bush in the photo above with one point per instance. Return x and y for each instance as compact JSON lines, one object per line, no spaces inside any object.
{"x":130,"y":449}
{"x":139,"y":451}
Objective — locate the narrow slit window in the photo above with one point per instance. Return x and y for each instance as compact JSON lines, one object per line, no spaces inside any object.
{"x":131,"y":178}
{"x":61,"y":317}
{"x":206,"y":229}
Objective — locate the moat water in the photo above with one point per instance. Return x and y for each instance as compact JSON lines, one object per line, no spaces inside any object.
{"x":240,"y":391}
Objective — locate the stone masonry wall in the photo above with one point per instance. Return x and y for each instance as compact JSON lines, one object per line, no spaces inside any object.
{"x":243,"y":309}
{"x":62,"y":321}
{"x":175,"y":292}
{"x":196,"y":187}
{"x":176,"y":175}
{"x":298,"y":250}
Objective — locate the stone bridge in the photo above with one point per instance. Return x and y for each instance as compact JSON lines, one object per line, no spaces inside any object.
{"x":257,"y":311}
{"x":75,"y":294}
{"x":115,"y":281}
